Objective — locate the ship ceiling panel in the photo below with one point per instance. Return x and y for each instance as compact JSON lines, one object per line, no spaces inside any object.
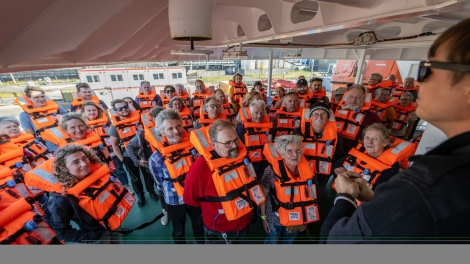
{"x":46,"y":34}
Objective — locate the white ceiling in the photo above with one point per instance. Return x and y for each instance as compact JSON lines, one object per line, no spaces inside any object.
{"x":44,"y":34}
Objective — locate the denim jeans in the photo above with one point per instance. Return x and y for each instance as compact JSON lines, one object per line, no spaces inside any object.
{"x":279,"y":235}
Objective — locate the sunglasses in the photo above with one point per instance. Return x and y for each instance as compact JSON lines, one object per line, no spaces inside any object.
{"x":424,"y":69}
{"x":122,"y":108}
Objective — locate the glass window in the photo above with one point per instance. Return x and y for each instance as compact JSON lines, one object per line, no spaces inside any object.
{"x":160,"y":75}
{"x":174,"y":75}
{"x":96,"y":78}
{"x":141,"y":77}
{"x":113,"y":78}
{"x":155,"y":76}
{"x":180,"y":75}
{"x":119,"y":77}
{"x":89,"y":78}
{"x":136,"y":78}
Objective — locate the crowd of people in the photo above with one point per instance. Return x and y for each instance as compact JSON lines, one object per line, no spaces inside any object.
{"x":326,"y":169}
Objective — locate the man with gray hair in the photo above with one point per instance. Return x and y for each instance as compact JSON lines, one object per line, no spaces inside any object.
{"x":168,"y":165}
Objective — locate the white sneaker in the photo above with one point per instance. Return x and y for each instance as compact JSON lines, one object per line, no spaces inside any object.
{"x":164,"y":219}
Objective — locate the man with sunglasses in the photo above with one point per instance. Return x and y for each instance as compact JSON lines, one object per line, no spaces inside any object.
{"x":126,"y":124}
{"x":222,"y":182}
{"x":428,"y":202}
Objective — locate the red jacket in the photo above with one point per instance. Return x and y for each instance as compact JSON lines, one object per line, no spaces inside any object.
{"x":199,"y":184}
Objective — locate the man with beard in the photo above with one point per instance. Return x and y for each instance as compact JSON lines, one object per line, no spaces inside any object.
{"x":223,"y":183}
{"x":353,"y":115}
{"x":168,"y":165}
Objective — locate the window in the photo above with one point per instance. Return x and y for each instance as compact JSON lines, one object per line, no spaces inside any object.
{"x":141,"y":77}
{"x":113,"y":78}
{"x":155,"y":76}
{"x":89,"y":78}
{"x":136,"y":78}
{"x":119,"y":77}
{"x":174,"y":75}
{"x":96,"y":78}
{"x":160,"y":75}
{"x":180,"y":75}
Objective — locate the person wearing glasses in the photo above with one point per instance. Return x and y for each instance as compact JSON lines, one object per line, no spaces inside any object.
{"x":84,"y":92}
{"x":428,"y":202}
{"x":125,"y":124}
{"x":168,"y":92}
{"x":405,"y":118}
{"x":222,"y":183}
{"x":211,"y":110}
{"x":288,"y":183}
{"x":229,"y":108}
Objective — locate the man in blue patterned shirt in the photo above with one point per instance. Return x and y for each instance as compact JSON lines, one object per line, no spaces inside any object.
{"x":168,"y":166}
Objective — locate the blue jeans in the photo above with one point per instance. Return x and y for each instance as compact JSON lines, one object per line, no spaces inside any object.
{"x":120,"y":172}
{"x":279,"y":235}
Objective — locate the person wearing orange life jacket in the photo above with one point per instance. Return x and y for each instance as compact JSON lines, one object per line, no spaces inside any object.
{"x":229,"y":108}
{"x":405,"y":119}
{"x":383,"y":104}
{"x":169,"y":165}
{"x":82,"y":190}
{"x":98,"y":120}
{"x":21,"y":218}
{"x":255,"y":130}
{"x":258,"y":86}
{"x":177,"y":104}
{"x":211,"y":111}
{"x":84,"y":93}
{"x":147,"y":97}
{"x":373,"y":82}
{"x":183,"y":94}
{"x":223,"y":183}
{"x":198,"y":98}
{"x":336,"y":98}
{"x":318,"y":91}
{"x":40,"y":113}
{"x":408,"y":86}
{"x":353,"y":115}
{"x":276,"y":101}
{"x":237,"y":89}
{"x":126,"y":124}
{"x":288,"y":116}
{"x":378,"y":158}
{"x":288,"y":184}
{"x":168,"y":92}
{"x":393,"y":81}
{"x":305,"y":93}
{"x":251,"y":96}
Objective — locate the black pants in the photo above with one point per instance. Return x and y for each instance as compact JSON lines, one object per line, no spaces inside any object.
{"x":177,"y":216}
{"x":134,"y":174}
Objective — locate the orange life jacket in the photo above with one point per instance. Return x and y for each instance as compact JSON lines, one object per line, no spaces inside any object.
{"x":146,"y":100}
{"x":287,"y":121}
{"x":228,"y":110}
{"x":294,"y":198}
{"x":187,"y":119}
{"x":185,"y":98}
{"x":349,"y":122}
{"x":33,"y":148}
{"x":371,"y":168}
{"x":77,"y":101}
{"x":402,"y":114}
{"x":178,"y":157}
{"x":101,"y":126}
{"x":256,"y":134}
{"x":164,"y":99}
{"x":147,"y":120}
{"x":272,"y":109}
{"x":127,"y":128}
{"x":205,"y":121}
{"x":398,"y":91}
{"x":379,"y":108}
{"x":319,"y":152}
{"x":42,"y":118}
{"x":101,"y":195}
{"x":12,"y":156}
{"x":198,"y":102}
{"x":234,"y":179}
{"x":239,"y":90}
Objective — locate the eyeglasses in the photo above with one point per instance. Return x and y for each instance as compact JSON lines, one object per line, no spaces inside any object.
{"x":122,"y":108}
{"x":213,"y":106}
{"x":319,"y":115}
{"x":424,"y":69}
{"x":228,"y":144}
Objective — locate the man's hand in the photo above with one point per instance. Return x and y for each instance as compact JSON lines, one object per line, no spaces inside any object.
{"x":345,"y":183}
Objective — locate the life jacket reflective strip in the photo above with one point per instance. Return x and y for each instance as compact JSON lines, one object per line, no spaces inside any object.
{"x":239,"y":90}
{"x":198,"y":101}
{"x":101,"y":127}
{"x":178,"y":157}
{"x":42,"y":117}
{"x":319,"y":152}
{"x":304,"y":100}
{"x":402,"y":115}
{"x":22,"y":224}
{"x":93,"y":140}
{"x":349,"y":122}
{"x":287,"y":121}
{"x":205,"y":121}
{"x":256,"y":134}
{"x":127,"y":128}
{"x":295,"y":198}
{"x":357,"y":159}
{"x":234,"y":179}
{"x":147,"y":120}
{"x":145,"y":100}
{"x":378,"y":107}
{"x":77,"y":101}
{"x":32,"y":147}
{"x":57,"y":136}
{"x":101,"y":195}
